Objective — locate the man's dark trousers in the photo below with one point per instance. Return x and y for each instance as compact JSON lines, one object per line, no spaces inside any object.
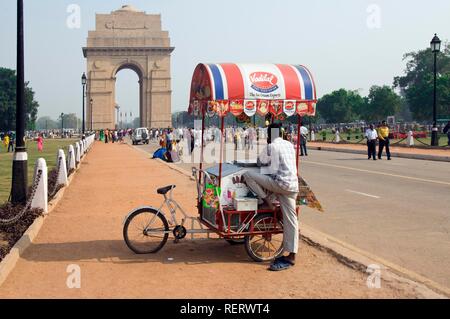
{"x":372,"y":149}
{"x":384,"y":143}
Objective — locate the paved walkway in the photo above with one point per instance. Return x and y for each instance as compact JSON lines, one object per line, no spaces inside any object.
{"x":85,"y":229}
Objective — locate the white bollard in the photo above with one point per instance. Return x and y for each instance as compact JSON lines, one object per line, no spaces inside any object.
{"x":81,"y":148}
{"x":62,"y":169}
{"x":338,"y":137}
{"x":71,"y":158}
{"x":77,"y":152}
{"x":410,"y":139}
{"x":313,"y":136}
{"x":40,"y":199}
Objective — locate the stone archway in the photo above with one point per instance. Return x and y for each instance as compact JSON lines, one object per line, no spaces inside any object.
{"x":128,"y":39}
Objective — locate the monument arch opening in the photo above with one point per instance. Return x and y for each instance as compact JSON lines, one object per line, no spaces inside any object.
{"x":128,"y":39}
{"x":128,"y":89}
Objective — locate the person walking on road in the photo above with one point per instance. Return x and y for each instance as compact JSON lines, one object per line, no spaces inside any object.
{"x":447,"y":131}
{"x":303,"y":139}
{"x":371,"y":135}
{"x":383,"y":136}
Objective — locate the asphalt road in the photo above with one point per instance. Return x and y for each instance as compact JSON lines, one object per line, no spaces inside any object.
{"x":398,"y":210}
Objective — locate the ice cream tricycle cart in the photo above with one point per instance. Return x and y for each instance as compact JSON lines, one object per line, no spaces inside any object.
{"x":225,"y":206}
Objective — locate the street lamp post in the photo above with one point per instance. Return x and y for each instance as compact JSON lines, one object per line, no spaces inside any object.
{"x":435,"y":48}
{"x":83,"y":83}
{"x":117,"y":116}
{"x":92,"y":121}
{"x":20,"y":160}
{"x":62,"y":125}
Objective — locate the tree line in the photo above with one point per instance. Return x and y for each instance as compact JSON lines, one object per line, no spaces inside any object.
{"x":409,"y":98}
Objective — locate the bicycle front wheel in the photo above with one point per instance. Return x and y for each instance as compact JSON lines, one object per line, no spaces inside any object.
{"x":146,"y":231}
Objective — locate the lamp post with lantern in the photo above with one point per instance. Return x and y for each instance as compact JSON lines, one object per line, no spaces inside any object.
{"x":83,"y":83}
{"x":435,"y":48}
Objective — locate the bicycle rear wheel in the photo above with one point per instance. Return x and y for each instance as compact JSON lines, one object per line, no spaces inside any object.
{"x":265,"y":246}
{"x":146,"y":231}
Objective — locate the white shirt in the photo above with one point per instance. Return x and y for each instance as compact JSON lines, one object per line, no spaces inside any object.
{"x":304,"y":131}
{"x":371,"y":134}
{"x":280,"y":154}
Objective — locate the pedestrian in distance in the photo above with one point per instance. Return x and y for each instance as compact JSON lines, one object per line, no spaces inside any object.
{"x":6,"y":141}
{"x":383,"y":137}
{"x":371,"y":136}
{"x":40,"y":143}
{"x":303,"y":139}
{"x":446,"y":130}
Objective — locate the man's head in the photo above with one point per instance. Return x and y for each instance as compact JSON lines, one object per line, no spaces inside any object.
{"x":274,"y":130}
{"x":371,"y":126}
{"x":383,"y":123}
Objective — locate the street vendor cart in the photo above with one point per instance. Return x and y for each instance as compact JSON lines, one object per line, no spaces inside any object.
{"x":225,"y":205}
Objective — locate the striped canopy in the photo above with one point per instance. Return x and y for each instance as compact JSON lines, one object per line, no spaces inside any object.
{"x":253,"y":88}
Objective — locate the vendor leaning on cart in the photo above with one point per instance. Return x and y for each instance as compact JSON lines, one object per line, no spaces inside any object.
{"x":283,"y":182}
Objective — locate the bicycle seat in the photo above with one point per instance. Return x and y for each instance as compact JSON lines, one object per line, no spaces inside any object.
{"x":164,"y":190}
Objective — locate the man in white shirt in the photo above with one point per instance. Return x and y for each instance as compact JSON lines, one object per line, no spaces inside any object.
{"x":283,"y":182}
{"x":303,"y":137}
{"x":371,"y":135}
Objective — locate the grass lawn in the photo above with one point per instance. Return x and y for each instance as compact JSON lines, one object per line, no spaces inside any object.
{"x":51,"y":147}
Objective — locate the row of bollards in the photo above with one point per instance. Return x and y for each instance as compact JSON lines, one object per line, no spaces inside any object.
{"x":64,"y":167}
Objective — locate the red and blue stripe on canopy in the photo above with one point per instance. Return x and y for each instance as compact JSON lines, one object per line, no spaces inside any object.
{"x":238,"y":86}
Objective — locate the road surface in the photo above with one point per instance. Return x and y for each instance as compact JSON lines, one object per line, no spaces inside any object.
{"x":398,"y":210}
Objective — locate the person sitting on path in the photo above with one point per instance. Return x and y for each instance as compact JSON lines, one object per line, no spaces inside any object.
{"x":281,"y":157}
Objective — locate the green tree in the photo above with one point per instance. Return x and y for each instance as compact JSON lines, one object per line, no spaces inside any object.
{"x":8,"y":102}
{"x":416,"y":84}
{"x":341,"y":106}
{"x":70,"y":121}
{"x":46,"y":123}
{"x":382,"y":101}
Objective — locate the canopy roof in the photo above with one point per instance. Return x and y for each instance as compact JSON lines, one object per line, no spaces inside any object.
{"x":253,"y":88}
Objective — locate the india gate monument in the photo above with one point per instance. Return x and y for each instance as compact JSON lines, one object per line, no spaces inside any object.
{"x":128,"y":39}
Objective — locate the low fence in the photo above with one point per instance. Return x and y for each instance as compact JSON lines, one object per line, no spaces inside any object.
{"x":409,"y":140}
{"x":40,"y":192}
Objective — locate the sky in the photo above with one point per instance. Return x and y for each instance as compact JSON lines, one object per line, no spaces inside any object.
{"x":350,"y":44}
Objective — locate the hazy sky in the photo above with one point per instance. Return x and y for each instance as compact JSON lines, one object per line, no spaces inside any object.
{"x":345,"y":43}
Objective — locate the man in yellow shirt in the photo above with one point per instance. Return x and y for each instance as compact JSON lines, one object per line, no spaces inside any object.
{"x":383,"y":137}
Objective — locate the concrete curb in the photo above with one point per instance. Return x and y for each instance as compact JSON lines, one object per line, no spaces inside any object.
{"x":393,"y":154}
{"x":9,"y":262}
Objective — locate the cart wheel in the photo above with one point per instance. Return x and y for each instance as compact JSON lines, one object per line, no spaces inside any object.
{"x":264,"y":247}
{"x":145,"y":231}
{"x":236,"y":241}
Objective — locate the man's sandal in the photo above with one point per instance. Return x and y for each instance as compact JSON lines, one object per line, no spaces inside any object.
{"x":281,"y":263}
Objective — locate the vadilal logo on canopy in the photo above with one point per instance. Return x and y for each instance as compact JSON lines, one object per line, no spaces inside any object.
{"x":264,"y":82}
